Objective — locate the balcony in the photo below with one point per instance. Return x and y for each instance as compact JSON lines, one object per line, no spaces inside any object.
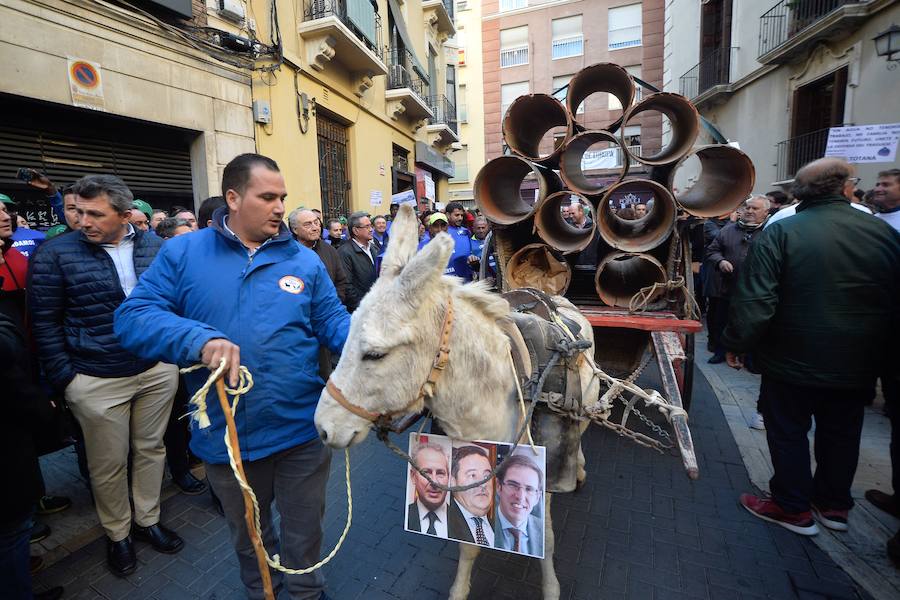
{"x":792,"y":27}
{"x":708,"y":81}
{"x":439,"y":14}
{"x":572,"y":45}
{"x":406,"y":92}
{"x":797,"y":151}
{"x":347,"y":32}
{"x":442,"y":127}
{"x":511,"y":57}
{"x":506,"y":5}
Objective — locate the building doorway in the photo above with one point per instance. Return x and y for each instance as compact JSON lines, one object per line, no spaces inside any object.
{"x":334,"y":175}
{"x":818,"y":106}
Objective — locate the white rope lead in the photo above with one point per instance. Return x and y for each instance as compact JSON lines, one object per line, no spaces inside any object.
{"x":244,"y":385}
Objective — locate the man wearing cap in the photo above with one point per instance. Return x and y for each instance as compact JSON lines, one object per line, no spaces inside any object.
{"x":437,"y":223}
{"x":140,"y":217}
{"x":24,"y":240}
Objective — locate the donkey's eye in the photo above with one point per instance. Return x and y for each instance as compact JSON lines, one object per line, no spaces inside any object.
{"x":374,"y":355}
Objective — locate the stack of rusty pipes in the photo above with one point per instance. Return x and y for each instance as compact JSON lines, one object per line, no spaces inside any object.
{"x":632,"y":252}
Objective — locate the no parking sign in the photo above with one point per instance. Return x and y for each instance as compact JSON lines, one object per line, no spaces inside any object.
{"x":86,"y":84}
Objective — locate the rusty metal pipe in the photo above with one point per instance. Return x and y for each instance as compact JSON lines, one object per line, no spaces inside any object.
{"x":553,"y":228}
{"x":528,"y":119}
{"x":726,"y":179}
{"x":535,"y":266}
{"x":570,"y":162}
{"x":685,"y":123}
{"x":642,"y":234}
{"x":621,"y":275}
{"x":498,"y":189}
{"x":601,"y":77}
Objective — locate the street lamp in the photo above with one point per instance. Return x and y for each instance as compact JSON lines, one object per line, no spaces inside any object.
{"x":887,"y":44}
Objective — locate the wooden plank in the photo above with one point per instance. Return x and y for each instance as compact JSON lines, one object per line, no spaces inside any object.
{"x":644,"y":321}
{"x":673,"y":394}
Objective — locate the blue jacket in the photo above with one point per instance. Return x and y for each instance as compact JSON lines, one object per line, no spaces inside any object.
{"x":279,"y":306}
{"x":73,"y":290}
{"x":461,"y":252}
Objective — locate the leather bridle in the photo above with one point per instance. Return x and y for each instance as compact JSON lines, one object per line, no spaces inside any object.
{"x":426,"y":391}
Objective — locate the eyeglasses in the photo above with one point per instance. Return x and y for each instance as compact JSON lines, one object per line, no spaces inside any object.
{"x":518,"y":487}
{"x":854,"y":180}
{"x":363,"y":227}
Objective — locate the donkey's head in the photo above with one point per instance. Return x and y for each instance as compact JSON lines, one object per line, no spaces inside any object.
{"x":393,"y":337}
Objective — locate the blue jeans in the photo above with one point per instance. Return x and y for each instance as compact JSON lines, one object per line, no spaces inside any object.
{"x":15,"y":572}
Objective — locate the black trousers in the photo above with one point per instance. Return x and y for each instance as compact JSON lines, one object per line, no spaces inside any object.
{"x":716,"y":319}
{"x":788,"y":410}
{"x":890,"y":386}
{"x":178,"y":433}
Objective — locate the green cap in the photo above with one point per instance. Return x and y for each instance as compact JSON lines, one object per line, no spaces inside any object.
{"x":143,"y":207}
{"x":55,"y":231}
{"x":343,"y":220}
{"x":437,"y":217}
{"x":6,"y":199}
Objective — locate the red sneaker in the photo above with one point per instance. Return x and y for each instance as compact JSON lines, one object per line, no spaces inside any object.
{"x":768,"y":510}
{"x":832,"y":519}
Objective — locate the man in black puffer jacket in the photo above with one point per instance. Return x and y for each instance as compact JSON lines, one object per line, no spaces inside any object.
{"x":122,"y":402}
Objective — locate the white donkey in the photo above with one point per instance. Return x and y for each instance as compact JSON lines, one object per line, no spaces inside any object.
{"x":394,"y":337}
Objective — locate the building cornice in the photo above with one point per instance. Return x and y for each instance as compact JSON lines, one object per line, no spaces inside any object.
{"x":528,"y":9}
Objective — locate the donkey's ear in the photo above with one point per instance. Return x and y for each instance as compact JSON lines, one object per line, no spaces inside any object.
{"x":429,"y":264}
{"x":402,"y":244}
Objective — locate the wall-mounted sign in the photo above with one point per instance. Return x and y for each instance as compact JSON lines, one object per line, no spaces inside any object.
{"x":864,"y":143}
{"x":86,"y":84}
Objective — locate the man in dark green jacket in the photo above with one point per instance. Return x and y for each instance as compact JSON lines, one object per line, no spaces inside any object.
{"x":817,"y":304}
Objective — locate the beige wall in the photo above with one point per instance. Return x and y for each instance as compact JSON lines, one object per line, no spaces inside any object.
{"x":146,"y":75}
{"x":471,"y":75}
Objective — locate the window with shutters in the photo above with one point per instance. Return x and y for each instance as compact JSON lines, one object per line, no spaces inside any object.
{"x":509,"y":92}
{"x":568,"y":39}
{"x":514,"y":46}
{"x":625,"y":27}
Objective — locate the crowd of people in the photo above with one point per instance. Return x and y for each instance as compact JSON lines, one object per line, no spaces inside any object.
{"x":805,"y":290}
{"x":98,"y":314}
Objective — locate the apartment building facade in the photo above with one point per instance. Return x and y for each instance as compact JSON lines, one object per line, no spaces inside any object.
{"x":775,"y":77}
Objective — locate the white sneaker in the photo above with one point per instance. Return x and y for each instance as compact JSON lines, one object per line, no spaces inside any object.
{"x":757,"y":422}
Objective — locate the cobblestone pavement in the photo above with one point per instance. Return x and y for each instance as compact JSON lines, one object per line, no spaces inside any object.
{"x":638,"y":529}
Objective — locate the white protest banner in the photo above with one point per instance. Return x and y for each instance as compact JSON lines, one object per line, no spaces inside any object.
{"x":864,"y":143}
{"x":375,"y":198}
{"x":505,"y":513}
{"x":407,"y":197}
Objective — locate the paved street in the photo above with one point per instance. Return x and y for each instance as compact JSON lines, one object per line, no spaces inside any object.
{"x":639,"y":529}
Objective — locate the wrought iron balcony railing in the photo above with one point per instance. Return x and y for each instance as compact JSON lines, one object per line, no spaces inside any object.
{"x":714,"y":69}
{"x":359,"y":16}
{"x":790,"y":17}
{"x":401,"y":74}
{"x":444,"y":112}
{"x":795,"y":152}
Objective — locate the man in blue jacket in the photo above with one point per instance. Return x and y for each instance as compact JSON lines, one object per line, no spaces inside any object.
{"x":122,"y":402}
{"x":462,"y":238}
{"x":244,"y":290}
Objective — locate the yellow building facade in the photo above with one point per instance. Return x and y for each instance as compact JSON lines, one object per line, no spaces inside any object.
{"x":361,"y":107}
{"x":470,"y":157}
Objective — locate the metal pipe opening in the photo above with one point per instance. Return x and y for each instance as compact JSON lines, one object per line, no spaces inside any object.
{"x":535,"y":266}
{"x":572,"y":165}
{"x":684,"y":119}
{"x":622,"y":274}
{"x":602,"y":77}
{"x":528,"y":119}
{"x":638,"y":232}
{"x":498,"y":189}
{"x":726,"y":179}
{"x":553,"y":228}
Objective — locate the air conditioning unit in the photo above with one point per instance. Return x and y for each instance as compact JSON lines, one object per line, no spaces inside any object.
{"x":233,"y":10}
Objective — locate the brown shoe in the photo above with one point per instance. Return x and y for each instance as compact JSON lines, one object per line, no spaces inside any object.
{"x":35,"y":564}
{"x":885,"y":502}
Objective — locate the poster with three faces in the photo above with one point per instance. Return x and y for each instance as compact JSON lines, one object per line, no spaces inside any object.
{"x":505,"y":512}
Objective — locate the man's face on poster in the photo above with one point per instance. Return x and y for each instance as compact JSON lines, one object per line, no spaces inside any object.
{"x":519,"y":491}
{"x":433,"y":463}
{"x":477,"y":500}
